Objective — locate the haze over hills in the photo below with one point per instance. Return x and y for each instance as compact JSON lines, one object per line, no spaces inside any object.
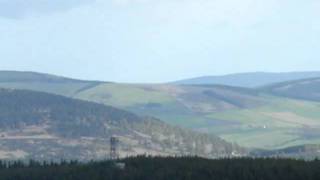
{"x":43,"y":126}
{"x":252,"y":117}
{"x":254,"y":79}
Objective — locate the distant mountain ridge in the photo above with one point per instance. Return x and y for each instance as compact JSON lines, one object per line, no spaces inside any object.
{"x":44,"y":82}
{"x":247,"y":80}
{"x":250,"y":80}
{"x":26,"y":76}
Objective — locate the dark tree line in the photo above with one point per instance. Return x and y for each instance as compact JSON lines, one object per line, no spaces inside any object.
{"x":169,"y":168}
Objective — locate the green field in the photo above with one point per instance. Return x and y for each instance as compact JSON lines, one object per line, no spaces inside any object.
{"x":273,"y":126}
{"x":124,"y":95}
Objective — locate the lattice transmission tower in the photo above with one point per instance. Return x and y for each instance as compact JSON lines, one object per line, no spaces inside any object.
{"x":114,"y":155}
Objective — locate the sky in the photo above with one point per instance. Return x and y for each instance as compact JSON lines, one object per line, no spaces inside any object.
{"x":158,"y":40}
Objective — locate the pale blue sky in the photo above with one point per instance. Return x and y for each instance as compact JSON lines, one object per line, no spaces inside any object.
{"x":158,"y":40}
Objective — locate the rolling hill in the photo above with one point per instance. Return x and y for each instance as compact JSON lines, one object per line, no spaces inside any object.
{"x":251,"y":117}
{"x":305,"y":89}
{"x":250,"y":80}
{"x":43,"y":82}
{"x":44,"y":126}
{"x":27,"y":76}
{"x":248,"y":117}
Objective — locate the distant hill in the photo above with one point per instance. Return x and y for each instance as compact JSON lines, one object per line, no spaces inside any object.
{"x":236,"y":114}
{"x":45,"y":126}
{"x":26,"y":76}
{"x":43,"y":82}
{"x":250,"y":80}
{"x":305,"y":89}
{"x":241,"y":115}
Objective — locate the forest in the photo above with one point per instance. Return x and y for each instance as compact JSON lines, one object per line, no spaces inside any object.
{"x":164,"y":168}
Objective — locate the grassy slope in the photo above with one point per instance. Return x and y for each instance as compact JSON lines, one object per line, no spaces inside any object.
{"x":142,"y":99}
{"x":282,"y":123}
{"x":43,"y":82}
{"x":124,"y":95}
{"x":278,"y":123}
{"x":66,"y":89}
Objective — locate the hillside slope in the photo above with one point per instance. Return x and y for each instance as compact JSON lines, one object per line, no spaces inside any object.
{"x":255,"y":79}
{"x":26,"y":76}
{"x":305,"y":89}
{"x":44,"y":126}
{"x":43,"y":82}
{"x":239,"y":115}
{"x":250,"y":117}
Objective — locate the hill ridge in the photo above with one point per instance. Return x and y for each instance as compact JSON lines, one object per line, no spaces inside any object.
{"x":250,"y":79}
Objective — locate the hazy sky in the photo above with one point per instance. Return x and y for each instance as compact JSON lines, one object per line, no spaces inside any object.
{"x":158,"y":40}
